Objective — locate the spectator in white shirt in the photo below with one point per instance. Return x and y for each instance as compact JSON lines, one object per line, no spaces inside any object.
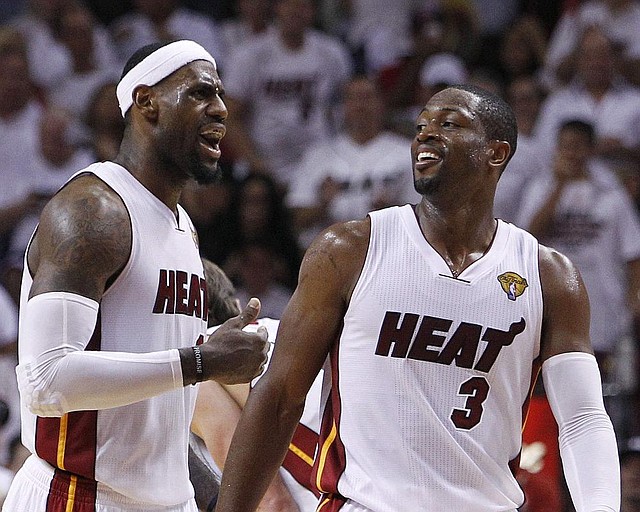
{"x":363,"y":168}
{"x":597,"y":95}
{"x":281,"y":89}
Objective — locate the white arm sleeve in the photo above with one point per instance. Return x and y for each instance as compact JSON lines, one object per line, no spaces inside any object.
{"x":587,"y":440}
{"x":56,"y":375}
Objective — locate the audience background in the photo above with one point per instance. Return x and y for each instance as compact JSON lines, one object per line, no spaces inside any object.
{"x":553,"y":61}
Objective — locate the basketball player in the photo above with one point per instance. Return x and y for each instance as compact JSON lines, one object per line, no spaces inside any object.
{"x":113,"y":307}
{"x":430,"y":351}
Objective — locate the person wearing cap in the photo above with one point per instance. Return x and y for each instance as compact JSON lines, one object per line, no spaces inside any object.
{"x":113,"y":307}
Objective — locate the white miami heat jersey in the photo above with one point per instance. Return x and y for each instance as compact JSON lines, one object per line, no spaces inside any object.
{"x":157,"y":303}
{"x":431,"y":375}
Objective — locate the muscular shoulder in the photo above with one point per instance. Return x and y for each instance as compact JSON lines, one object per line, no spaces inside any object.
{"x":566,"y":305}
{"x":558,"y":274}
{"x":338,"y":253}
{"x":83,"y":239}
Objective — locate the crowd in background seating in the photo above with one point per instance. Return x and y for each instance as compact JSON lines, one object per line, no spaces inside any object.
{"x":322,"y":98}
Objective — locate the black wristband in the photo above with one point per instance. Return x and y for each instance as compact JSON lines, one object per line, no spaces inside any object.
{"x":198,"y":357}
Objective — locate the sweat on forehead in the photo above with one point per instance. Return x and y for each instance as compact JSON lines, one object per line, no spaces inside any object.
{"x":495,"y":114}
{"x":158,"y":65}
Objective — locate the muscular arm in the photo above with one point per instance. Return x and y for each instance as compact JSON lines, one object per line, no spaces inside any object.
{"x":572,"y":382}
{"x":82,"y":242}
{"x":308,"y":329}
{"x":566,"y":315}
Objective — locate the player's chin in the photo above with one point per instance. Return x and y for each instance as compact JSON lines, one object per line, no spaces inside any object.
{"x":206,"y":173}
{"x":426,"y":185}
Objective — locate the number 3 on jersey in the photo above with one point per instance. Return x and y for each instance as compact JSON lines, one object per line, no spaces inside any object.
{"x":476,"y":389}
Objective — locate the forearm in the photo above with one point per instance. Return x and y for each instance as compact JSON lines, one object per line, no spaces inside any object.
{"x":10,"y":216}
{"x":10,"y":348}
{"x":257,"y":450}
{"x":215,"y":419}
{"x":56,"y":375}
{"x":587,"y":440}
{"x":306,"y":217}
{"x":238,"y":138}
{"x":59,"y":383}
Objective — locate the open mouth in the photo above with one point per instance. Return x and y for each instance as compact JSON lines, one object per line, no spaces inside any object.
{"x":427,"y":158}
{"x":210,"y":140}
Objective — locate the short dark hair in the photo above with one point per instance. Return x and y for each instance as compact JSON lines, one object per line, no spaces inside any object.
{"x":580,"y":126}
{"x":496,"y":115}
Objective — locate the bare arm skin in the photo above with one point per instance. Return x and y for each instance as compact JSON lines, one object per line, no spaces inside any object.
{"x":83,"y":240}
{"x":214,"y":421}
{"x":633,"y":295}
{"x":566,"y":316}
{"x":308,"y":330}
{"x":541,"y":221}
{"x":564,"y":171}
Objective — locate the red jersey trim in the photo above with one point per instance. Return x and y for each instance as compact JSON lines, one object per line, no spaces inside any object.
{"x":299,"y":458}
{"x":331,"y":459}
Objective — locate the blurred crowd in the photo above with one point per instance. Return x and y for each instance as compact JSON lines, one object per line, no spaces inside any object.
{"x":322,"y":98}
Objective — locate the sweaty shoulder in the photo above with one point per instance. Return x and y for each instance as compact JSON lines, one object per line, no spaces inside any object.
{"x":83,"y":239}
{"x":338,"y":254}
{"x":566,"y":305}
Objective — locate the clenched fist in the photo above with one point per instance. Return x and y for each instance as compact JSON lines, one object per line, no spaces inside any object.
{"x":230,"y":355}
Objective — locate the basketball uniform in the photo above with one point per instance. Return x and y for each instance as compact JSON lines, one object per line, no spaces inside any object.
{"x":431,"y":377}
{"x":132,"y":457}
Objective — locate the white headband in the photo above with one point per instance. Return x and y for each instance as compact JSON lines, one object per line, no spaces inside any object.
{"x":160,"y":64}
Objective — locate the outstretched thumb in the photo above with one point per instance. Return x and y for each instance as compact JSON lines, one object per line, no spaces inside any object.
{"x":250,"y":312}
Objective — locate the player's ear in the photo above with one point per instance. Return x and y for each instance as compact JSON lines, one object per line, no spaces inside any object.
{"x":499,"y":151}
{"x":144,"y":99}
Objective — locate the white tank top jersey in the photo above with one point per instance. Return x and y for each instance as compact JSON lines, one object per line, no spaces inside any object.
{"x":158,"y":302}
{"x":429,"y":383}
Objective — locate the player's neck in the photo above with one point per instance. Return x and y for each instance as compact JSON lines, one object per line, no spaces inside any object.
{"x":152,"y":175}
{"x":459,"y":235}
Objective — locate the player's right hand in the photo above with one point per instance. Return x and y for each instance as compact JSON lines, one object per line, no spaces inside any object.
{"x":234,"y":356}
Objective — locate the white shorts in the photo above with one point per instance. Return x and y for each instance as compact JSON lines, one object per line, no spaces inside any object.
{"x":31,"y":492}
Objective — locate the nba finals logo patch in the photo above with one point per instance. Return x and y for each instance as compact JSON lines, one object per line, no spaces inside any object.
{"x":512,"y":284}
